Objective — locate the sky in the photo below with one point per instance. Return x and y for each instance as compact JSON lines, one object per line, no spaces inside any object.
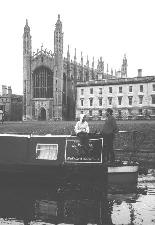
{"x":97,"y":28}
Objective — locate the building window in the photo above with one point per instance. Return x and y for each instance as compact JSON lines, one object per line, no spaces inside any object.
{"x":81,"y":112}
{"x":130,"y":100}
{"x":141,"y":88}
{"x":153,"y":99}
{"x":82,"y":91}
{"x":119,"y":100}
{"x":100,"y":91}
{"x":110,"y":89}
{"x":42,"y":79}
{"x":120,"y":89}
{"x":100,"y":112}
{"x":119,"y":113}
{"x":153,"y":111}
{"x":110,"y":100}
{"x":140,"y":99}
{"x":91,"y":91}
{"x":91,"y":101}
{"x":81,"y":102}
{"x":140,"y":112}
{"x":100,"y":101}
{"x":130,"y":88}
{"x":129,"y":111}
{"x":90,"y":113}
{"x":153,"y":87}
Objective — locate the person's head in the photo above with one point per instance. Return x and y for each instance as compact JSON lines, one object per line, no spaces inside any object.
{"x":82,"y":117}
{"x":109,"y":112}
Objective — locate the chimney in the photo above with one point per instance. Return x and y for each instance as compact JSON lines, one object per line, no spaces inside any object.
{"x":139,"y":72}
{"x":4,"y":90}
{"x":9,"y":91}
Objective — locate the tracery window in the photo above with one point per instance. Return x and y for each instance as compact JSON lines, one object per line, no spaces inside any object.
{"x":42,"y":83}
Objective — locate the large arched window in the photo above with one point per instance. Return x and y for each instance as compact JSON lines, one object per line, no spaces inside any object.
{"x":42,"y":82}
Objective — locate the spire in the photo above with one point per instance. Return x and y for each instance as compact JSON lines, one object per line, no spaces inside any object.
{"x":41,"y":47}
{"x":81,"y":59}
{"x":26,"y":28}
{"x":75,"y":56}
{"x":87,"y":61}
{"x":100,"y":66}
{"x":58,"y":24}
{"x":68,"y":54}
{"x":26,"y":40}
{"x":58,"y":37}
{"x":124,"y":67}
{"x":93,"y":63}
{"x":107,"y":69}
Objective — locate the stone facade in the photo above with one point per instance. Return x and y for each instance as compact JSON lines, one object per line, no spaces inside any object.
{"x":11,"y":104}
{"x":129,"y":97}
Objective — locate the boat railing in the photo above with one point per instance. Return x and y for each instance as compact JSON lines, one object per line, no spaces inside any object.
{"x":129,"y":140}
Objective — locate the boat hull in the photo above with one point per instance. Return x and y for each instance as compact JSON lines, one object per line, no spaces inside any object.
{"x":123,"y":174}
{"x":54,"y":159}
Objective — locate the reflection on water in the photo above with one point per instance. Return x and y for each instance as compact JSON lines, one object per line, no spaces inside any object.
{"x":20,"y":204}
{"x":136,"y":208}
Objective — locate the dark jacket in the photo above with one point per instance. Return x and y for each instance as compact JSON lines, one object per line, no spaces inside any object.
{"x":110,"y":126}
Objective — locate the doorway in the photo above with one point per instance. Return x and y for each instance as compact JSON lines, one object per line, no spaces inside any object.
{"x":42,"y":114}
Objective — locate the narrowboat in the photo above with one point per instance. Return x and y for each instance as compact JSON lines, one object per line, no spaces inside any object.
{"x":60,"y":158}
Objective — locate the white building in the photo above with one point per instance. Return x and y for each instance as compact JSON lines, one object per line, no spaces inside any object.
{"x":128,"y":97}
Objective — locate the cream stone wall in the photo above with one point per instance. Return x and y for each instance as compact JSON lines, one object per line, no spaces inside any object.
{"x":125,"y":108}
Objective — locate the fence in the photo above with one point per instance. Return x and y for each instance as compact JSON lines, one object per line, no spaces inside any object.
{"x":128,"y":140}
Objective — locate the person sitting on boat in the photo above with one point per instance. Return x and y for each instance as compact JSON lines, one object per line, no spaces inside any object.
{"x":109,"y":130}
{"x":82,"y":130}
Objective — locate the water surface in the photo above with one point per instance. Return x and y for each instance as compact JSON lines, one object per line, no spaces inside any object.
{"x":44,"y":205}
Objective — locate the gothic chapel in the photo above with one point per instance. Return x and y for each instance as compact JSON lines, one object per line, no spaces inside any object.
{"x":48,"y":81}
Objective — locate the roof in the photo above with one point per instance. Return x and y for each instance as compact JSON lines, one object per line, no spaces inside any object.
{"x":118,"y":81}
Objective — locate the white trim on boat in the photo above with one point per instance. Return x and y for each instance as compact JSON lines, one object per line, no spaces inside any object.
{"x":50,"y":135}
{"x":15,"y":135}
{"x":122,"y":169}
{"x":123,"y":131}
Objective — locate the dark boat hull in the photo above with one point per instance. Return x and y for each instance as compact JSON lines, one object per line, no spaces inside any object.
{"x":123,"y":174}
{"x":30,"y":158}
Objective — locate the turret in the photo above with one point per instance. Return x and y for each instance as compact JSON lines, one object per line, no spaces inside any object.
{"x":124,"y":67}
{"x":81,"y":59}
{"x":81,"y":70}
{"x":9,"y":91}
{"x":92,"y":71}
{"x":93,"y":64}
{"x":4,"y":90}
{"x":75,"y":56}
{"x":87,"y":63}
{"x":27,"y":40}
{"x":107,"y":70}
{"x":27,"y":49}
{"x":68,"y":54}
{"x":58,"y":37}
{"x":58,"y":68}
{"x":100,"y":66}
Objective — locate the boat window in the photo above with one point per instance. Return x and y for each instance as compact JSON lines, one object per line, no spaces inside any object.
{"x":47,"y":151}
{"x":75,"y":152}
